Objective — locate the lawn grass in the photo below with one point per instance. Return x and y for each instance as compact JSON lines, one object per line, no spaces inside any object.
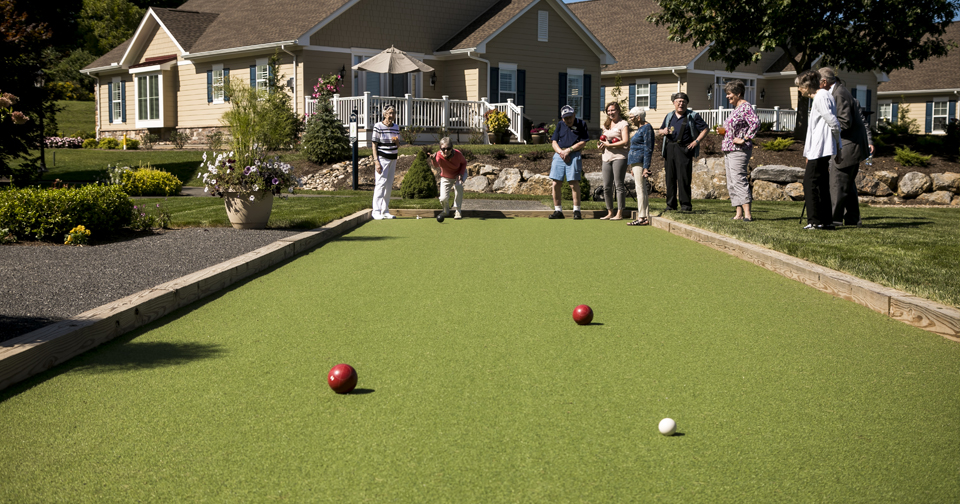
{"x":484,"y":390}
{"x":89,"y":165}
{"x":916,"y":250}
{"x":76,"y":116}
{"x":296,"y":213}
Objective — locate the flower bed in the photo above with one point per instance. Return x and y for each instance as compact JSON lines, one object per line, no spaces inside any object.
{"x":63,"y":142}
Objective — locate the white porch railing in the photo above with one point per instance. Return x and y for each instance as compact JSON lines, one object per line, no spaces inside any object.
{"x":782,"y":120}
{"x":427,"y":113}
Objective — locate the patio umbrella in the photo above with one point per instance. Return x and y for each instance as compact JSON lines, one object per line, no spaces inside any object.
{"x":393,"y":61}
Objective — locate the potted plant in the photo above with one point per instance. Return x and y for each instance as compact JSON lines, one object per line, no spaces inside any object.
{"x":538,"y":135}
{"x":497,"y":125}
{"x":247,"y":191}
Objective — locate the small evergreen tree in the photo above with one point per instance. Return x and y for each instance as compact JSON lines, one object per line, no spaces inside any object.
{"x":419,"y":182}
{"x":325,"y":140}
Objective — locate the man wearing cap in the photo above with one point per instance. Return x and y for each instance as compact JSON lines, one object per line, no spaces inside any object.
{"x":568,"y":140}
{"x":682,"y":130}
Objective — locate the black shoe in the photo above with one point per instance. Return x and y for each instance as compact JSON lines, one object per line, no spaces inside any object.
{"x":576,"y":215}
{"x":828,"y":227}
{"x":557,"y":214}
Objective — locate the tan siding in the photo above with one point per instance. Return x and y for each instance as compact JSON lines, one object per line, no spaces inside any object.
{"x":544,"y":61}
{"x":170,"y":85}
{"x":160,"y":44}
{"x":195,"y":111}
{"x":471,"y":76}
{"x":696,"y":86}
{"x":666,"y":86}
{"x":917,"y":105}
{"x":372,"y":24}
{"x":105,"y":104}
{"x":460,"y":79}
{"x":318,"y":64}
{"x":779,"y":93}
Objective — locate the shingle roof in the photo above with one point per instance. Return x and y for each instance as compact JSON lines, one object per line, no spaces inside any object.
{"x":185,"y":26}
{"x":934,"y":73}
{"x":634,"y":42}
{"x":484,"y":26}
{"x":112,"y":56}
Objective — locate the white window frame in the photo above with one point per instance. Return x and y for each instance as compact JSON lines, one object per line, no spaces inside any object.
{"x":543,"y":26}
{"x":262,"y":74}
{"x":575,"y":100}
{"x":139,"y":80}
{"x":720,"y":96}
{"x":219,"y":86}
{"x":885,"y":110}
{"x":945,"y":102}
{"x":508,"y":69}
{"x":643,"y":84}
{"x":116,"y":103}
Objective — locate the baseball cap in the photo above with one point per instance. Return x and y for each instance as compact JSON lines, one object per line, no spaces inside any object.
{"x":567,"y":110}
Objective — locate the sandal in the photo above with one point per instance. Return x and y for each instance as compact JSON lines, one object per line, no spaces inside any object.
{"x":637,"y":222}
{"x":645,"y":222}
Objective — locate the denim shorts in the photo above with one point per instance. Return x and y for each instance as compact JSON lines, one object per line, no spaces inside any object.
{"x":572,"y":170}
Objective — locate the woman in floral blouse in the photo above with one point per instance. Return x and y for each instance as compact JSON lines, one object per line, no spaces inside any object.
{"x":737,"y":147}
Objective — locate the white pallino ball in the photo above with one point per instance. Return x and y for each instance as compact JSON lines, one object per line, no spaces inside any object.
{"x":668,"y":427}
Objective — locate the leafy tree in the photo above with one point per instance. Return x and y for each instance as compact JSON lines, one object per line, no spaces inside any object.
{"x":105,"y":24}
{"x":858,"y":36}
{"x":21,"y":40}
{"x":618,"y":95}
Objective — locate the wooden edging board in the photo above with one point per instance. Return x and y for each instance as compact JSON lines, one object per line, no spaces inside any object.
{"x":37,"y":351}
{"x":495,"y":214}
{"x":918,"y":312}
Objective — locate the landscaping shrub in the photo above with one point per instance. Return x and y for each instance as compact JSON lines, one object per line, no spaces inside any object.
{"x":109,"y":143}
{"x":468,"y":154}
{"x":46,"y":214}
{"x":498,"y":154}
{"x":133,"y":144}
{"x":148,"y":140}
{"x":907,"y":157}
{"x":410,"y":134}
{"x":419,"y":182}
{"x":215,"y":140}
{"x":145,"y":218}
{"x":325,"y":140}
{"x":84,"y":134}
{"x":929,"y":143}
{"x":765,"y":126}
{"x":778,"y":144}
{"x":148,"y":181}
{"x":91,"y":143}
{"x":567,"y":194}
{"x":63,"y":142}
{"x":179,"y":138}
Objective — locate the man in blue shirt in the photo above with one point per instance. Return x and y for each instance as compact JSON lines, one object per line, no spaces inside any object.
{"x":568,"y":140}
{"x":683,"y":129}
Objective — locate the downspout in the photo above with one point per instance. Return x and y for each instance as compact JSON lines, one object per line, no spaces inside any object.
{"x":296,"y":103}
{"x":487,"y":62}
{"x":675,"y":74}
{"x":96,"y":95}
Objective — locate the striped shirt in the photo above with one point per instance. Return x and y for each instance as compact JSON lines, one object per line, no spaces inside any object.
{"x":383,"y":136}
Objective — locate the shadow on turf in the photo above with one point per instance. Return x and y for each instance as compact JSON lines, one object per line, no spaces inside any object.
{"x":134,"y":356}
{"x":365,"y":238}
{"x":361,"y":391}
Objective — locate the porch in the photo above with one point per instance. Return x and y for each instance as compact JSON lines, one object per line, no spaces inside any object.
{"x":782,"y":120}
{"x":457,"y":117}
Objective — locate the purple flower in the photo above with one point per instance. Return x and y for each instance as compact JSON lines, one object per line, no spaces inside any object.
{"x":275,"y":181}
{"x":246,"y":171}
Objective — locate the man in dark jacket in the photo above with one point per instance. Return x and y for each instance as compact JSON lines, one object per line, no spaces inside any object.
{"x":682,"y":129}
{"x":854,"y":148}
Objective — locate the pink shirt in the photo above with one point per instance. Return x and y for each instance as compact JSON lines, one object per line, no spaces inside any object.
{"x":454,"y":167}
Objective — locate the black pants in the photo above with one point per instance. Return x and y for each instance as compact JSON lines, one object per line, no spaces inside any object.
{"x":678,"y":174}
{"x":816,"y":191}
{"x":843,"y":194}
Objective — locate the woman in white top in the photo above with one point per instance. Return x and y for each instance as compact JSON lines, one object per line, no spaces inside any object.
{"x":386,"y":140}
{"x":614,"y":143}
{"x":823,"y":141}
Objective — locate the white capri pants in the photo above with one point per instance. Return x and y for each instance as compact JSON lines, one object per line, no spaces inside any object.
{"x":383,"y":187}
{"x":643,"y":192}
{"x":445,"y":185}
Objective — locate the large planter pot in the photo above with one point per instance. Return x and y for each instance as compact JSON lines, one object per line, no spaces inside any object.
{"x":505,"y":137}
{"x":537,"y":138}
{"x":246,"y":214}
{"x":493,"y":138}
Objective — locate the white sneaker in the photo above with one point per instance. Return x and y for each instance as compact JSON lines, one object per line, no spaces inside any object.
{"x":376,"y":216}
{"x":457,"y":215}
{"x":389,"y":216}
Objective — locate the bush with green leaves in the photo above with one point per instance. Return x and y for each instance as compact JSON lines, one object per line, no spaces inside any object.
{"x":325,"y":140}
{"x":133,"y":144}
{"x":109,"y":143}
{"x":778,"y":144}
{"x":91,"y":143}
{"x":567,"y":194}
{"x":907,"y":157}
{"x":148,"y":181}
{"x":49,"y":214}
{"x":419,"y":182}
{"x":929,"y":143}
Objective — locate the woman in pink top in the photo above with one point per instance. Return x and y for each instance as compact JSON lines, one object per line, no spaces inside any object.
{"x":741,"y":127}
{"x":453,"y":172}
{"x":614,"y":143}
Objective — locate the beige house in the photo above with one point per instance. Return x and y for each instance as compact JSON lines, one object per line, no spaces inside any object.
{"x":929,"y":90}
{"x":651,"y":68}
{"x":169,"y":76}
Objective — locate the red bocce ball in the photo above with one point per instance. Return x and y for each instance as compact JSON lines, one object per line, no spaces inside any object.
{"x":582,"y":314}
{"x":342,"y":378}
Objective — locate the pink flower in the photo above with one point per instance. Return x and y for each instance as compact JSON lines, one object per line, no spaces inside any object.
{"x":19,"y":118}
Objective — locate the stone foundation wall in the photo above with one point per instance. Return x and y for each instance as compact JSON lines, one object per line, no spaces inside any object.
{"x":195,"y":136}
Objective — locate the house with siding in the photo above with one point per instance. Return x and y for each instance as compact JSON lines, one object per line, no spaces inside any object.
{"x":169,"y":76}
{"x":651,"y":67}
{"x":929,"y":90}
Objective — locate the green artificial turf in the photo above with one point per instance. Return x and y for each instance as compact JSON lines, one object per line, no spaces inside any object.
{"x":476,"y":385}
{"x":916,"y":250}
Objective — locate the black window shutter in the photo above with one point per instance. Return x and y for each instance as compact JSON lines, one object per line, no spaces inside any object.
{"x":123,"y":101}
{"x":929,"y":122}
{"x":563,"y":91}
{"x":653,"y":96}
{"x":587,"y":93}
{"x":893,"y":113}
{"x":209,"y":86}
{"x":494,"y":84}
{"x":110,"y":94}
{"x":632,"y":95}
{"x":522,"y":88}
{"x":253,"y":76}
{"x":869,"y":100}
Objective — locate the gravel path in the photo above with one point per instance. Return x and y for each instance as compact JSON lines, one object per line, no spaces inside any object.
{"x":42,"y":284}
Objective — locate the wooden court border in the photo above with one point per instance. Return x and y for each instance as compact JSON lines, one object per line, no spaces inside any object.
{"x":40,"y":350}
